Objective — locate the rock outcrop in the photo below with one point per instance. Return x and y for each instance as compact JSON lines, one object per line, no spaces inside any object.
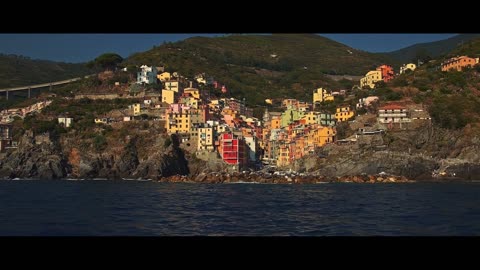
{"x":37,"y":157}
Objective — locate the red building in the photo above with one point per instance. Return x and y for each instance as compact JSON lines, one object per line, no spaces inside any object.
{"x":387,"y":72}
{"x":232,"y":149}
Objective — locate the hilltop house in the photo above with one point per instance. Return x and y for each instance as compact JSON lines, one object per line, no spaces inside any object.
{"x":147,"y":75}
{"x":458,"y":63}
{"x":406,"y":67}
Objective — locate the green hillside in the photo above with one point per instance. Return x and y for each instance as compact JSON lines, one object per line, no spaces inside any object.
{"x":260,"y":66}
{"x":430,"y":49}
{"x":19,"y":70}
{"x":470,"y":48}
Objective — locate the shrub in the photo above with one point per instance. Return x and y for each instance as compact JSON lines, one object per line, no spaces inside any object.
{"x":100,"y":142}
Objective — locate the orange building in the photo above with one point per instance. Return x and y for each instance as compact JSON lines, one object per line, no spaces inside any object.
{"x":458,"y":63}
{"x":387,"y":72}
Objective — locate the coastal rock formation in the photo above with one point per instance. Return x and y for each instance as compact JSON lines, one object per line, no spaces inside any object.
{"x":37,"y":157}
{"x":395,"y":163}
{"x":40,"y":157}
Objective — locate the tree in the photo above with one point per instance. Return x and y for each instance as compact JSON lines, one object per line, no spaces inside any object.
{"x":106,"y":61}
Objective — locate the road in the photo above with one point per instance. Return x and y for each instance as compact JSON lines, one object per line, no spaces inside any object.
{"x":20,"y":88}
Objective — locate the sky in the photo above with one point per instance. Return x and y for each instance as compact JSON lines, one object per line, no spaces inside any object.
{"x":75,"y":48}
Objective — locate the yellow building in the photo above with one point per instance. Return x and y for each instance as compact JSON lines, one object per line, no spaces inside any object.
{"x":165,"y":76}
{"x":276,"y":122}
{"x":172,"y":85}
{"x":409,"y":66}
{"x":136,"y":109}
{"x":168,"y":96}
{"x":178,"y":122}
{"x":321,"y":95}
{"x":318,"y":136}
{"x":312,"y":118}
{"x":371,"y":78}
{"x":344,"y":113}
{"x":192,"y":91}
{"x":101,"y":120}
{"x":205,"y":138}
{"x":324,"y":135}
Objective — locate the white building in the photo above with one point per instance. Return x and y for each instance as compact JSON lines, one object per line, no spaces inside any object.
{"x":147,"y":75}
{"x":393,"y":114}
{"x":205,"y":138}
{"x":66,"y":121}
{"x":409,"y":66}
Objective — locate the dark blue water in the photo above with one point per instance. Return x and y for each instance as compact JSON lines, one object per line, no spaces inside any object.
{"x":160,"y":209}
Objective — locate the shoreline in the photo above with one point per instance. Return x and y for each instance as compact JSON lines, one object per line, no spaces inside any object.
{"x":267,"y":178}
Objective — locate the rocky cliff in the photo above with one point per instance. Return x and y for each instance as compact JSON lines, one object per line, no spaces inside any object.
{"x":37,"y":157}
{"x":43,"y":157}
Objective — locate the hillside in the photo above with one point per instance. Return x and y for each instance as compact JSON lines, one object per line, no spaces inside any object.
{"x":19,"y":70}
{"x":260,"y":66}
{"x":431,"y":49}
{"x":470,"y":48}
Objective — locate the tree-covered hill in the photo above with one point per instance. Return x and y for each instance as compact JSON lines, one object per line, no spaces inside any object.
{"x":18,"y":70}
{"x":261,"y":66}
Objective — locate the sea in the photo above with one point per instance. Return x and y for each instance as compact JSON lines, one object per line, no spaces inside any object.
{"x":142,"y":208}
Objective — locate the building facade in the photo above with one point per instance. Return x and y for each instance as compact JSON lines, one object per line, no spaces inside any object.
{"x":147,"y":75}
{"x":458,"y":63}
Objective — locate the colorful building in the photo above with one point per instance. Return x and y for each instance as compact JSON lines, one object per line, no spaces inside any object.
{"x":289,"y":116}
{"x":312,"y":118}
{"x":178,"y":122}
{"x":172,"y":85}
{"x":371,"y":78}
{"x":320,"y":95}
{"x":458,"y":63}
{"x":165,"y":76}
{"x":168,"y":96}
{"x":343,"y":113}
{"x":194,"y":92}
{"x":232,"y":149}
{"x":136,"y":108}
{"x":386,"y":72}
{"x":409,"y":66}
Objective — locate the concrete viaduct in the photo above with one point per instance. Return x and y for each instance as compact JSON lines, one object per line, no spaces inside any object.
{"x":30,"y":87}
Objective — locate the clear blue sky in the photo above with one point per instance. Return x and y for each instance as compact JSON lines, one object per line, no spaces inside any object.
{"x":85,"y":47}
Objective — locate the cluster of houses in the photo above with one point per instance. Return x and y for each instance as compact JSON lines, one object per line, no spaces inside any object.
{"x":382,"y":73}
{"x":226,"y":128}
{"x":8,"y":115}
{"x":385,"y":72}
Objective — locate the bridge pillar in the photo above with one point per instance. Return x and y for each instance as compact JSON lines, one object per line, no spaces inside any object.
{"x":7,"y":94}
{"x":29,"y":88}
{"x":50,"y":87}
